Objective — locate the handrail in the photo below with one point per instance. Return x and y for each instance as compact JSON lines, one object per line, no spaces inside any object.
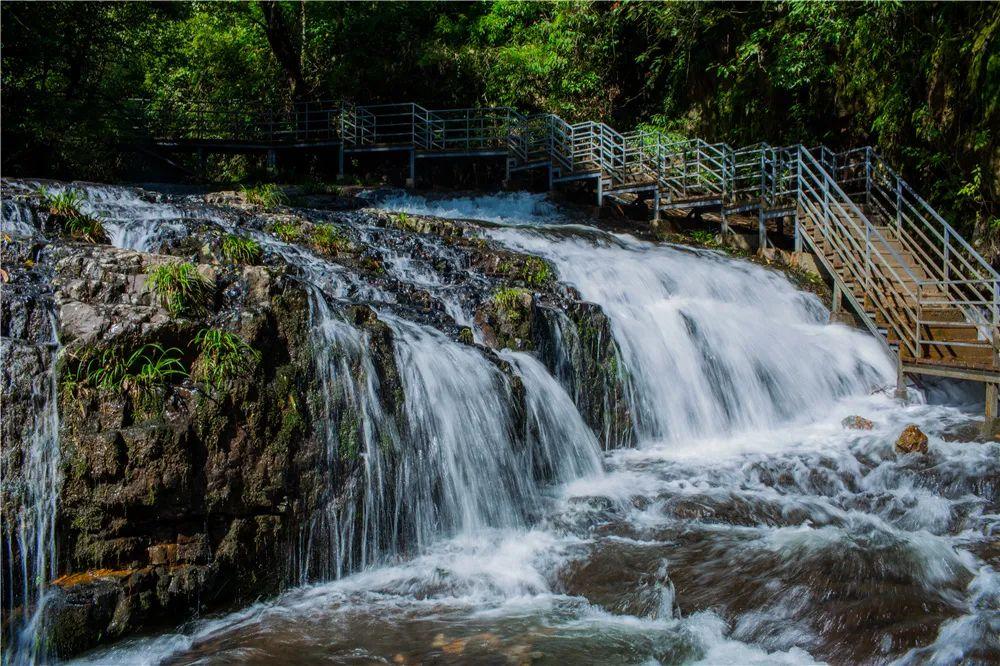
{"x":890,"y":241}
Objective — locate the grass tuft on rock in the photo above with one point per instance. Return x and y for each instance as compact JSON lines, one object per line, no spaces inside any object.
{"x":182,"y":290}
{"x":240,"y":250}
{"x":510,"y":301}
{"x":288,"y":232}
{"x":532,"y":271}
{"x":139,"y":371}
{"x":66,"y":209}
{"x":328,"y":239}
{"x":266,"y":195}
{"x":223,"y":357}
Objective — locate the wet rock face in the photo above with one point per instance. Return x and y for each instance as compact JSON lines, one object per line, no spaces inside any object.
{"x":180,"y":496}
{"x":912,"y":440}
{"x":577,"y":345}
{"x":192,"y":500}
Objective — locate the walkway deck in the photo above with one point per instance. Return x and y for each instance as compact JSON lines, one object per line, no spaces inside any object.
{"x":911,"y":278}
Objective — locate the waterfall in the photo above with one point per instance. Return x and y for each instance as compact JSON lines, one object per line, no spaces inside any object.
{"x":711,"y":345}
{"x":451,"y":465}
{"x":29,"y":541}
{"x":480,"y":520}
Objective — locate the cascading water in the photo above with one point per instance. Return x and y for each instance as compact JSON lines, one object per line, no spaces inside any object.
{"x":746,"y":526}
{"x":29,"y":541}
{"x":700,"y":357}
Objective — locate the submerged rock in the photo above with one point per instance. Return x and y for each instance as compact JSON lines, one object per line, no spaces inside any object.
{"x":912,"y":440}
{"x":856,"y":422}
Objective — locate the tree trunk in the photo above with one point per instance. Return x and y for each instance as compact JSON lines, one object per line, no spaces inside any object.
{"x":281,"y":34}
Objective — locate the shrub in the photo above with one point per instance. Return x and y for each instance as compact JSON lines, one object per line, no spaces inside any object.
{"x":266,"y":195}
{"x":288,"y":232}
{"x":240,"y":250}
{"x":328,"y":239}
{"x":66,"y":209}
{"x":223,"y":357}
{"x":180,"y":288}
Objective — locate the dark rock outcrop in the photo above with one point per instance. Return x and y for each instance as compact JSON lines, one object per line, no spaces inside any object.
{"x":179,"y":496}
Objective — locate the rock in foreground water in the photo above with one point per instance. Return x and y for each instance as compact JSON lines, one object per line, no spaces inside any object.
{"x":856,"y":422}
{"x":912,"y":440}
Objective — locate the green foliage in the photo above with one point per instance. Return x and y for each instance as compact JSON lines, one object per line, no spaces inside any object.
{"x":533,"y":271}
{"x":66,"y":208}
{"x":706,"y":238}
{"x":223,"y":357}
{"x":401,"y":218}
{"x":240,"y":250}
{"x":180,"y":288}
{"x":328,"y":239}
{"x":919,"y":80}
{"x":140,"y":372}
{"x":267,"y":195}
{"x":313,"y":186}
{"x":289,"y":232}
{"x":509,"y":302}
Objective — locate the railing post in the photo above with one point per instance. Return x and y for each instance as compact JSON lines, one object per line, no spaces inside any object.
{"x":684,"y":172}
{"x":946,"y":259}
{"x":697,"y":168}
{"x":899,"y":207}
{"x":868,"y":175}
{"x":826,"y":207}
{"x":798,"y":198}
{"x":868,"y":259}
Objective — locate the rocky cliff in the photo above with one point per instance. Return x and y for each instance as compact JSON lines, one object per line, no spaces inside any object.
{"x":201,"y":438}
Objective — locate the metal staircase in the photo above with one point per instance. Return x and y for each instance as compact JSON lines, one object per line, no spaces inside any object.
{"x":909,"y":276}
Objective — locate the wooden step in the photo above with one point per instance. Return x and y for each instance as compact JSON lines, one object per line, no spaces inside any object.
{"x":980,"y":357}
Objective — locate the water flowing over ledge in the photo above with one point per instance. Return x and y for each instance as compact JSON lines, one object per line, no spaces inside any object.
{"x":746,"y":525}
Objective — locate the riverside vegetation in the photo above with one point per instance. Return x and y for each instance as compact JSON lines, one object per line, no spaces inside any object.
{"x":917,"y":80}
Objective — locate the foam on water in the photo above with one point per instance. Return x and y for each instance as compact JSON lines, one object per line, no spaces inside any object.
{"x":748,"y":527}
{"x":505,"y":208}
{"x":711,"y":345}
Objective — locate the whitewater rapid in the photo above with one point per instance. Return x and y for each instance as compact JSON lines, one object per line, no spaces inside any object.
{"x":747,"y":526}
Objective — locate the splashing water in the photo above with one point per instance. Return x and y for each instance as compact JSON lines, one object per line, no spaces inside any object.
{"x":748,"y":526}
{"x":700,"y":357}
{"x":505,"y":208}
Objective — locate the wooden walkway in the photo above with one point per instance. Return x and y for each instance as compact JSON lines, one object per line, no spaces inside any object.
{"x":910,"y":277}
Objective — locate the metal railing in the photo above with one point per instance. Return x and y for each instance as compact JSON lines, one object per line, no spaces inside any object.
{"x":313,"y":121}
{"x":911,"y":269}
